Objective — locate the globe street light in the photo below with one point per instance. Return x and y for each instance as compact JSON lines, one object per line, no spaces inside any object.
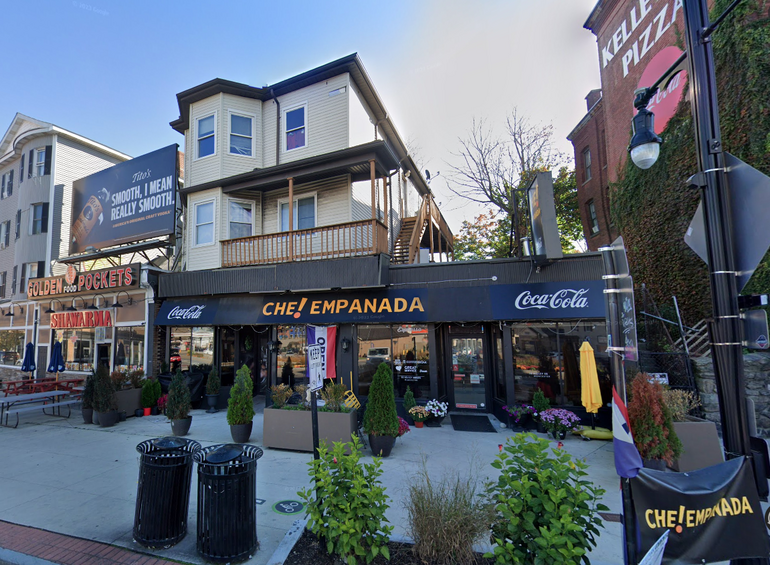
{"x":645,"y":144}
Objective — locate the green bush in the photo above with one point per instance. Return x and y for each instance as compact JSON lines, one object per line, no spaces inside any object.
{"x":240,"y":405}
{"x":546,"y":512}
{"x":148,"y":398}
{"x":214,"y":382}
{"x":447,"y":517}
{"x":333,"y":395}
{"x":651,"y":422}
{"x":104,"y":391}
{"x":409,"y":401}
{"x":540,"y":402}
{"x":178,"y":405}
{"x":380,"y":417}
{"x":347,"y":506}
{"x":89,"y":391}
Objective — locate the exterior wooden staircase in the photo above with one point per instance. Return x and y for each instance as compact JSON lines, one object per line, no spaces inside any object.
{"x":401,"y":245}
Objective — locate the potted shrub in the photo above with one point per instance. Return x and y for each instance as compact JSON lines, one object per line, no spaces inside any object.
{"x":128,"y":393}
{"x":409,"y":403}
{"x":380,"y":418}
{"x":419,"y":414}
{"x":651,"y":424}
{"x":88,"y":399}
{"x":519,"y":416}
{"x":700,"y":443}
{"x":178,"y":405}
{"x":148,"y":396}
{"x":213,"y":385}
{"x":541,"y":404}
{"x":290,"y":426}
{"x":558,"y":422}
{"x":240,"y":407}
{"x":104,"y":398}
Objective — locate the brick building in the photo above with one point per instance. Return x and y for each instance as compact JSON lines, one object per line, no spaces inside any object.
{"x":637,"y":40}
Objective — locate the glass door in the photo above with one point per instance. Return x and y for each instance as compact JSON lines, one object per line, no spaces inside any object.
{"x":468,"y":372}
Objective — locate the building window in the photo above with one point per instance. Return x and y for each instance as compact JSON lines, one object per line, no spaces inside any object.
{"x":129,"y":349}
{"x":6,"y":185}
{"x":304,"y":213}
{"x":13,"y":279}
{"x":77,"y":347}
{"x":3,"y":277}
{"x":295,"y":129}
{"x":593,"y":219}
{"x":241,"y":135}
{"x":39,"y":162}
{"x":194,"y":348}
{"x":21,"y":169}
{"x":11,"y":347}
{"x":5,"y":234}
{"x":204,"y":223}
{"x":39,"y":219}
{"x":206,"y":137}
{"x":586,"y":164}
{"x":30,"y":271}
{"x":290,"y":366}
{"x":240,"y":219}
{"x":18,"y":223}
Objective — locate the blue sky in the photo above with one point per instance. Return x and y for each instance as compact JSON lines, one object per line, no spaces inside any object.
{"x":110,"y":70}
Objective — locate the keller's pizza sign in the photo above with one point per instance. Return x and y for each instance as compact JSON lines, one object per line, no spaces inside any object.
{"x":117,"y":278}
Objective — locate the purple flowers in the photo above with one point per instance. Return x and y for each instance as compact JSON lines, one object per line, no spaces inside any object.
{"x":517,"y":413}
{"x":560,"y":420}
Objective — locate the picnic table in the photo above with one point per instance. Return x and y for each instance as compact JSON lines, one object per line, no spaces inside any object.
{"x":53,"y":400}
{"x":47,"y":384}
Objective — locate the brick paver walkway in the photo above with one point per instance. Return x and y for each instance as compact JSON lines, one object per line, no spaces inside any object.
{"x":68,"y":550}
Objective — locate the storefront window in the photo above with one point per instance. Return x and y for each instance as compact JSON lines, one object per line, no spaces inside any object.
{"x":129,"y":348}
{"x":291,"y":357}
{"x":77,"y":348}
{"x":404,"y":347}
{"x":191,"y":347}
{"x":11,"y":347}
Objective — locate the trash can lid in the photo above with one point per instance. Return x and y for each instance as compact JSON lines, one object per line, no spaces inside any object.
{"x":224,"y":453}
{"x":168,"y":442}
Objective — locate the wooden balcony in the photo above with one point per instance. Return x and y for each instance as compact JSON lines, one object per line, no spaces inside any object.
{"x":367,"y":237}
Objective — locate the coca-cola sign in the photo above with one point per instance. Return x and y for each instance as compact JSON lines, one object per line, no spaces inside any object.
{"x":564,"y":298}
{"x":191,"y":313}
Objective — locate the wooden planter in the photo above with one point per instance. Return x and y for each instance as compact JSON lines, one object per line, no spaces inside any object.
{"x":129,"y":400}
{"x":293,"y":429}
{"x":700,"y":445}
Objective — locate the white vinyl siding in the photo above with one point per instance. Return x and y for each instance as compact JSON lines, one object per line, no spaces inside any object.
{"x":326,"y":120}
{"x":361,"y":127}
{"x":209,"y":168}
{"x":206,"y":256}
{"x":332,"y":202}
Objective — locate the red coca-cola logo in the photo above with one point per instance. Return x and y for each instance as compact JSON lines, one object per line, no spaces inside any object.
{"x":664,"y":103}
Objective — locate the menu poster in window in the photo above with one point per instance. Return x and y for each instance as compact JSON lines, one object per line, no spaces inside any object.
{"x":411,"y":369}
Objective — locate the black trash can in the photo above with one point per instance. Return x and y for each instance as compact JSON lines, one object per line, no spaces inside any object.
{"x":163,"y":493}
{"x":227,"y":501}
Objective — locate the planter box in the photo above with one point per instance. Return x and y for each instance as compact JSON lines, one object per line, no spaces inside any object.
{"x":293,"y":429}
{"x":129,"y":400}
{"x":700,"y":445}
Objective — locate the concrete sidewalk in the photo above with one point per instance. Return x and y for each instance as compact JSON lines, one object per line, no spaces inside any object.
{"x":79,"y":480}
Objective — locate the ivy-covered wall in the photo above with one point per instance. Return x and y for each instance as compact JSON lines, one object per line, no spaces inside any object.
{"x":653,"y":208}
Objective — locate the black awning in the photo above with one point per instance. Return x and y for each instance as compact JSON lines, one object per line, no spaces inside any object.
{"x":188,"y":312}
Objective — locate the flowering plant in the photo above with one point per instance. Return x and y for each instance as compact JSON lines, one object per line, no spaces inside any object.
{"x":162,"y":401}
{"x":437,"y":409}
{"x":517,"y":413}
{"x":419,"y":413}
{"x":403,"y":427}
{"x":559,"y":420}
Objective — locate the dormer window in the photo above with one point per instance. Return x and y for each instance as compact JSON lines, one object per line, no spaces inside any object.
{"x":295,"y":128}
{"x":241,"y":135}
{"x":206,"y":137}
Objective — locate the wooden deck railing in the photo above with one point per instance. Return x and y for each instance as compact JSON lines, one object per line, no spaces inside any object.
{"x":367,"y":237}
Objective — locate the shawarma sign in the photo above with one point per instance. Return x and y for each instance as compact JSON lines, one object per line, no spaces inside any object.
{"x":122,"y":277}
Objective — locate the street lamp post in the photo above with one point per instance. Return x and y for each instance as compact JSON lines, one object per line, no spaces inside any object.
{"x":725,"y":326}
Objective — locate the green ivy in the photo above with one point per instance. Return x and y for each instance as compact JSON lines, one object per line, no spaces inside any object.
{"x":653,"y":208}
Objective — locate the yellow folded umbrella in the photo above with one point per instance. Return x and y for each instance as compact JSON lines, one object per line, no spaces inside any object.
{"x":589,"y":379}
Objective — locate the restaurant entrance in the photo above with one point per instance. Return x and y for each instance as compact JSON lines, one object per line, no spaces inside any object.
{"x":468,"y":368}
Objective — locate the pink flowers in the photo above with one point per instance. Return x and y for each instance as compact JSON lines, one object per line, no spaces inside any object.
{"x":403,"y":427}
{"x":559,"y":420}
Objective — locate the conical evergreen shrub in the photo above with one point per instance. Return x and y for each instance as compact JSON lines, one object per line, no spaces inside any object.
{"x":380,"y":417}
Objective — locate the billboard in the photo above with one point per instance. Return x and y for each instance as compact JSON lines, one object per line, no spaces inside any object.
{"x":542,"y":215}
{"x":128,"y":202}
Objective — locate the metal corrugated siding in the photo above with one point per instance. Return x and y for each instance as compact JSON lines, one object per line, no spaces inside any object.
{"x":310,"y":275}
{"x":582,"y":267}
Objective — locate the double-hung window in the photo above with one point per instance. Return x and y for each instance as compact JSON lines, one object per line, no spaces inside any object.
{"x":593,"y":218}
{"x":39,"y":162}
{"x":240,"y":219}
{"x":204,"y":223}
{"x":39,"y":219}
{"x":5,"y":234}
{"x":586,"y":164}
{"x":241,"y":135}
{"x":296,"y":128}
{"x":304,"y":213}
{"x":6,"y":185}
{"x":3,"y":276}
{"x":206,"y":136}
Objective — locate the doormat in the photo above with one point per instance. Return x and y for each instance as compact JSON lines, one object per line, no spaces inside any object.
{"x":465,"y":423}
